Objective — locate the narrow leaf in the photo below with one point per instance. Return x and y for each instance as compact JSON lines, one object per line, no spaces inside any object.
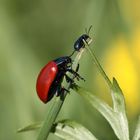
{"x":71,"y":130}
{"x":30,"y":127}
{"x":119,"y":108}
{"x":103,"y":108}
{"x":118,"y":98}
{"x":137,"y":131}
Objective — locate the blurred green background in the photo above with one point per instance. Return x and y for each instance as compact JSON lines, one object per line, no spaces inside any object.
{"x":33,"y":32}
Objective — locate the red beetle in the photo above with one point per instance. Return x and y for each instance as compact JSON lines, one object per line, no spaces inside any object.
{"x":49,"y":81}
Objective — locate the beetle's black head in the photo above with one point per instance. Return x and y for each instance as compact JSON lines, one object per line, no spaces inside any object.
{"x":80,"y":42}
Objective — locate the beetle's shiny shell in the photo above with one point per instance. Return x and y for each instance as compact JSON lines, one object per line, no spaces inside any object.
{"x":45,"y":79}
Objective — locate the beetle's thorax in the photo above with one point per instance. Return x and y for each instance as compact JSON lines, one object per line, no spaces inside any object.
{"x":63,"y":62}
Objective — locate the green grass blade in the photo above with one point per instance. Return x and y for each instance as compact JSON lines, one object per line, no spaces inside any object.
{"x":50,"y":118}
{"x":137,"y":131}
{"x":71,"y":130}
{"x":99,"y":67}
{"x":30,"y":127}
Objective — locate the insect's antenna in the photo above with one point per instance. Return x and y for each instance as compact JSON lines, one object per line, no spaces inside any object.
{"x":89,"y":30}
{"x":72,"y":53}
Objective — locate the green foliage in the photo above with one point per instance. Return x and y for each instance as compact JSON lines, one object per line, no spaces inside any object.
{"x":65,"y":129}
{"x":117,"y":121}
{"x":30,"y":127}
{"x":32,"y":33}
{"x":116,"y":116}
{"x":70,"y":130}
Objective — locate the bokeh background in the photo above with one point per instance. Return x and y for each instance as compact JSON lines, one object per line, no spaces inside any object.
{"x":33,"y":32}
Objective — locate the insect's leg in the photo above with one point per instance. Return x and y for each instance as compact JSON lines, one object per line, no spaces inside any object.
{"x":58,"y":90}
{"x":77,"y":68}
{"x":64,"y":89}
{"x":75,"y":74}
{"x":68,"y":79}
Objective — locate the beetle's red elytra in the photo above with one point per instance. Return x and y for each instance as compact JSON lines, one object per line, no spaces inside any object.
{"x":45,"y":79}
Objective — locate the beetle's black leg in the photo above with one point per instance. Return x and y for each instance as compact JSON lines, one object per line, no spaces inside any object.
{"x":79,"y":77}
{"x":77,"y":68}
{"x":64,"y":89}
{"x":58,"y":90}
{"x":63,"y":93}
{"x":74,"y":86}
{"x":75,"y":74}
{"x":68,"y":79}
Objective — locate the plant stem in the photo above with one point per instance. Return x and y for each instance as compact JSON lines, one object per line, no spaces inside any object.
{"x":96,"y":62}
{"x":56,"y":106}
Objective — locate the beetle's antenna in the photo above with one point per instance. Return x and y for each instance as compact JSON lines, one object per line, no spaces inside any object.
{"x":72,"y":53}
{"x":88,"y":31}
